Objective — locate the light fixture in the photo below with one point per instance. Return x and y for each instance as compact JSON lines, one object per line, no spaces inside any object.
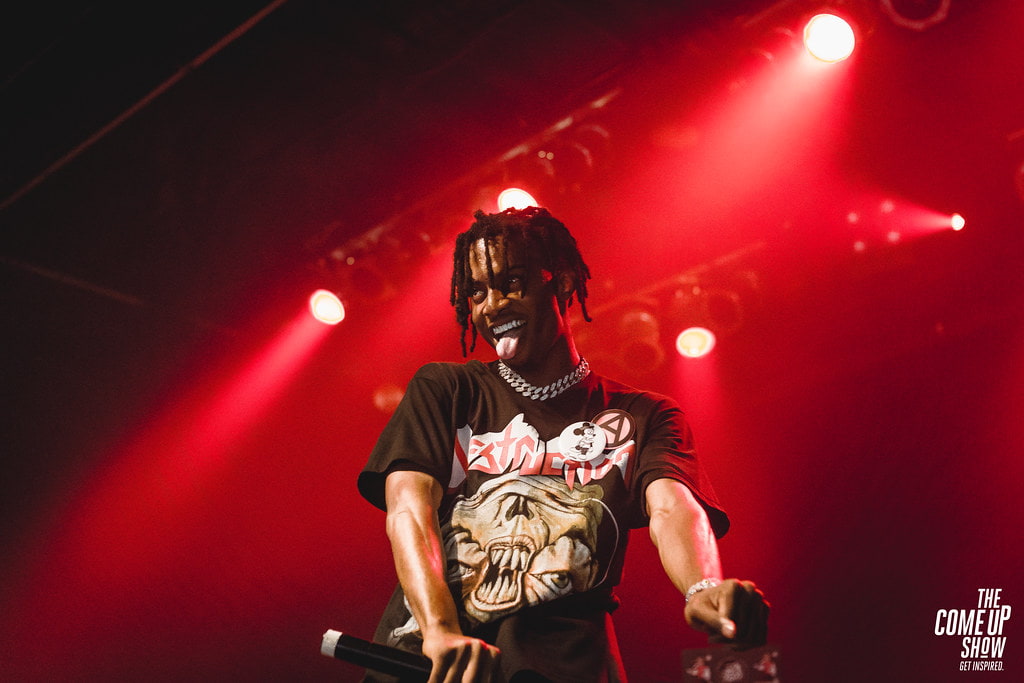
{"x":640,"y":349}
{"x":829,"y":38}
{"x":695,"y":342}
{"x":515,"y":198}
{"x":917,"y":15}
{"x":326,"y":307}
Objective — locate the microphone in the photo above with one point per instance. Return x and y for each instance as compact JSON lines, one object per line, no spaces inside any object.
{"x":407,"y":666}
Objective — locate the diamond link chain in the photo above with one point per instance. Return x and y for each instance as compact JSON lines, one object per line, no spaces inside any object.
{"x":536,"y":393}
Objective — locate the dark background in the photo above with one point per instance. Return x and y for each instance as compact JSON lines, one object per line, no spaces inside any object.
{"x":180,"y":444}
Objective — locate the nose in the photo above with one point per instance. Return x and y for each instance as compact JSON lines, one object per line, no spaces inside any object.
{"x":495,"y":301}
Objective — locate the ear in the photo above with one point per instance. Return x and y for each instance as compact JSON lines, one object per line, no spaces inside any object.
{"x":566,"y":285}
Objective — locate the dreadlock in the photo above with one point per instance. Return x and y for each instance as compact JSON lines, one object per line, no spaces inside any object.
{"x":534,"y":227}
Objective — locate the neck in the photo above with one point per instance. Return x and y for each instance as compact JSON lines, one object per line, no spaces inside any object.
{"x":561,"y":360}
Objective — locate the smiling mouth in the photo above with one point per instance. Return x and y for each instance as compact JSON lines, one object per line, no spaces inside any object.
{"x":499,"y":330}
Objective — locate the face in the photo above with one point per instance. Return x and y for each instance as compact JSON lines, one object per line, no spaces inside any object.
{"x":517,"y":311}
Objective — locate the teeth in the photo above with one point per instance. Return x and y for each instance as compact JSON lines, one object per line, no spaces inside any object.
{"x":505,"y":327}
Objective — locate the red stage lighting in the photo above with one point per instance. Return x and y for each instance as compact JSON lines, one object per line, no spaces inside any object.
{"x":695,"y":342}
{"x":829,"y":38}
{"x":957,"y":222}
{"x":916,"y":14}
{"x":515,"y":198}
{"x":326,"y":307}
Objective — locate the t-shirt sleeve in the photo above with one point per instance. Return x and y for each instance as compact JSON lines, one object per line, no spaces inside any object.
{"x":419,"y":436}
{"x":668,"y":451}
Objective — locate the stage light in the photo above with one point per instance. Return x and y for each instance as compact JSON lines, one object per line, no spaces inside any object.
{"x":829,"y":38}
{"x":640,"y":350}
{"x":695,"y":342}
{"x":515,"y":198}
{"x":957,"y":222}
{"x":326,"y":307}
{"x":918,"y":15}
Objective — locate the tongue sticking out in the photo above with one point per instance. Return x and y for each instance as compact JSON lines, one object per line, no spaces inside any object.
{"x":507,"y":345}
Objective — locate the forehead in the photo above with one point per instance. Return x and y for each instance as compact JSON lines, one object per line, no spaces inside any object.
{"x":504,"y":255}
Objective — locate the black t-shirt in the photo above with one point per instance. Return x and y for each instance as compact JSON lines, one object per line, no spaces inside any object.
{"x":539,"y":500}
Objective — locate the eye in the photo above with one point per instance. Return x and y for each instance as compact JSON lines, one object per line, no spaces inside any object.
{"x":559,"y":580}
{"x":477,"y":293}
{"x":514,"y":284}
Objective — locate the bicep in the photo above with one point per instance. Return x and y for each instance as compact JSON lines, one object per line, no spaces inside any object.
{"x":666,"y":496}
{"x":672,"y":508}
{"x":410,"y":489}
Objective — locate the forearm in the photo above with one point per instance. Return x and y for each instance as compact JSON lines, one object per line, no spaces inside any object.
{"x":680,"y":530}
{"x":415,"y":535}
{"x":412,"y":528}
{"x":732,"y":610}
{"x":420,"y":564}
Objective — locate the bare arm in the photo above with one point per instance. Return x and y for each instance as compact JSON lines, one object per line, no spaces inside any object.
{"x":734,"y":610}
{"x":412,"y":527}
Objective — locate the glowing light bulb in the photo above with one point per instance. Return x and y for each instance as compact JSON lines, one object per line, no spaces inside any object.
{"x":695,"y":342}
{"x":829,"y":38}
{"x":515,"y":198}
{"x":326,"y":307}
{"x":957,"y":222}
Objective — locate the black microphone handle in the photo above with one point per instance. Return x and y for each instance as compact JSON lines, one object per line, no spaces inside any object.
{"x":407,"y":666}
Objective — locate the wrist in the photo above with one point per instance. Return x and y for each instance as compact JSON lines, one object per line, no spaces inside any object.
{"x":440,"y":629}
{"x":703,"y":584}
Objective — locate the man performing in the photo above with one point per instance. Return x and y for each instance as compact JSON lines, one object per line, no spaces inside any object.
{"x":510,"y":487}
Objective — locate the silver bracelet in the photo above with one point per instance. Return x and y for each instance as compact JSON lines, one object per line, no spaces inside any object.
{"x":703,"y":584}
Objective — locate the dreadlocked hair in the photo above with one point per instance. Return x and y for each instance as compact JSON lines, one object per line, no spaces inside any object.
{"x":548,"y":241}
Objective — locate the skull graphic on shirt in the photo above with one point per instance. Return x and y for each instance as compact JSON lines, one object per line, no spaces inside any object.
{"x":522,"y":540}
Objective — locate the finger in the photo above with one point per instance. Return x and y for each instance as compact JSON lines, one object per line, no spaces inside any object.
{"x":462,"y":658}
{"x":750,"y":611}
{"x":439,"y":669}
{"x":743,"y":608}
{"x":727,"y":628}
{"x":484,"y":664}
{"x":760,"y":618}
{"x":763,"y":631}
{"x":453,"y":674}
{"x":727,"y":611}
{"x":706,"y":614}
{"x":477,"y":667}
{"x":494,"y":663}
{"x":441,"y":662}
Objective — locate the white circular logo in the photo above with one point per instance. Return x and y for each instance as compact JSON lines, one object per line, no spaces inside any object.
{"x":582,"y":442}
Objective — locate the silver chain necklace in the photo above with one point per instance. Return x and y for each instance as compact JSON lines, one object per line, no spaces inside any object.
{"x":551,"y":390}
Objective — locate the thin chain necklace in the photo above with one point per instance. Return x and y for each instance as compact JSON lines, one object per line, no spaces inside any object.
{"x":551,"y":390}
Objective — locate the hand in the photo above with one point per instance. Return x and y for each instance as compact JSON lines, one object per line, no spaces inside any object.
{"x":732,"y":612}
{"x":460,"y":659}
